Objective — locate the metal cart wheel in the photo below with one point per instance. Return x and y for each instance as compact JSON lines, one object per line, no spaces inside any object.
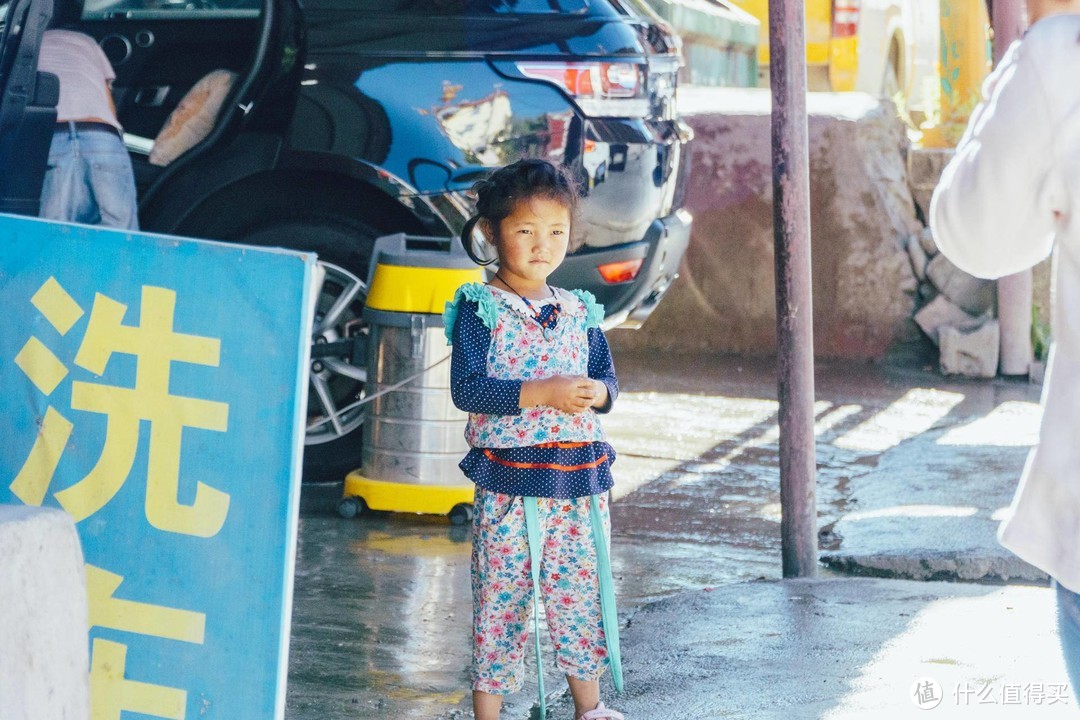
{"x":461,"y":514}
{"x":350,"y":507}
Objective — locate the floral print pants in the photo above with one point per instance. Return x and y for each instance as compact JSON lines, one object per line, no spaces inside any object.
{"x":502,"y":588}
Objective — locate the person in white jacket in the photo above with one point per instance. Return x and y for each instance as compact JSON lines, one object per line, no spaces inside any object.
{"x":1010,"y":196}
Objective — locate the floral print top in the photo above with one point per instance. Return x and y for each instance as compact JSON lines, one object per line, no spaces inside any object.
{"x":498,"y":344}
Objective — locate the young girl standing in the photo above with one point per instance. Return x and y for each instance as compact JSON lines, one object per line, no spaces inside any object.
{"x":532,"y":368}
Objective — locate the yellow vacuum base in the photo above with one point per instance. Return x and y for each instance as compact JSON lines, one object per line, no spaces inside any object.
{"x":406,"y":498}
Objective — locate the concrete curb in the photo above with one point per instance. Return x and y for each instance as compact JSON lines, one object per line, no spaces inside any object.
{"x":43,"y":617}
{"x":939,"y":566}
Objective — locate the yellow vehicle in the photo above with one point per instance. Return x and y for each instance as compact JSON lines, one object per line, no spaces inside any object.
{"x":882,"y":47}
{"x":831,"y":47}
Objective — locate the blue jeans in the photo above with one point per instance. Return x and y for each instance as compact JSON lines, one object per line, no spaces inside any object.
{"x":89,"y":180}
{"x":1069,"y":632}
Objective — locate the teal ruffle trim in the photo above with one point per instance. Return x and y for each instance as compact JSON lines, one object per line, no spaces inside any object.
{"x":488,"y":312}
{"x":594,"y":311}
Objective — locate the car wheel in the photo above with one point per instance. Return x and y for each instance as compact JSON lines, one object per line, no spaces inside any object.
{"x":332,"y":443}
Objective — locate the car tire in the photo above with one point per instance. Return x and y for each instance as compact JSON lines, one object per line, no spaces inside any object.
{"x":344,"y":246}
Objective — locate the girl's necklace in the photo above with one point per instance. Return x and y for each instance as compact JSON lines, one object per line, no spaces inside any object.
{"x":546,"y":321}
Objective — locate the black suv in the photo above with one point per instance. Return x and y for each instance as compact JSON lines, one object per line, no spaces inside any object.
{"x":350,"y":119}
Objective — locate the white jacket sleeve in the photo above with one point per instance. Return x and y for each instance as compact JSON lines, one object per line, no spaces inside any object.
{"x":992,"y":213}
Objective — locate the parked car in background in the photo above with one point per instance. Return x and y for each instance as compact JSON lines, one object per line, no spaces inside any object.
{"x":348,"y":119}
{"x":882,"y":47}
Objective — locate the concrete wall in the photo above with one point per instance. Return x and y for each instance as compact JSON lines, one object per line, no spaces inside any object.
{"x":862,"y":215}
{"x":43,"y":617}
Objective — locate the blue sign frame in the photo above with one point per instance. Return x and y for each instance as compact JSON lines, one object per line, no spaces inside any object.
{"x":155,"y":388}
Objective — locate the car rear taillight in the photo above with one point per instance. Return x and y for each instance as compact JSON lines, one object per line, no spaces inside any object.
{"x":845,"y":18}
{"x":620,"y":272}
{"x":601,"y":89}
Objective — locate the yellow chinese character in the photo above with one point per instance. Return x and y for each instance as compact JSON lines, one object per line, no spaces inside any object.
{"x":156,"y":346}
{"x":111,"y":694}
{"x":109,"y":611}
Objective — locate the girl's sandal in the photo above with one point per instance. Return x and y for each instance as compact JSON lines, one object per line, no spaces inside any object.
{"x":602,"y":713}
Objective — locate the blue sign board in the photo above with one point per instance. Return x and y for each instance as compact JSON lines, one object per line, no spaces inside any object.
{"x":155,"y":389}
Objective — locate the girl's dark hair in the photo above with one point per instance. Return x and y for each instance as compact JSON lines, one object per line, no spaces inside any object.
{"x":499,"y":193}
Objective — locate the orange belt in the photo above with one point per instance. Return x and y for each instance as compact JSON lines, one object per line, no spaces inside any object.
{"x":548,"y":466}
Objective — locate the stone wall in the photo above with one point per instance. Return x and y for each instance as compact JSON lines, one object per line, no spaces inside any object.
{"x":951,"y":298}
{"x":862,"y":215}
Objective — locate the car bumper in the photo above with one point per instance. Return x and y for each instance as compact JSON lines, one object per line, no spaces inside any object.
{"x":631,"y":302}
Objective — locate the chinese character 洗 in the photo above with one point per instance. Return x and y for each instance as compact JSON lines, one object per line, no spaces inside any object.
{"x":155,"y":345}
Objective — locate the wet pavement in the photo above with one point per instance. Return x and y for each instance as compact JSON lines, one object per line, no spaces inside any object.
{"x":844,"y":649}
{"x":909,"y":463}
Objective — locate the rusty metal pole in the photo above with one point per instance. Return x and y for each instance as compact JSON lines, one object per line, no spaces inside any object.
{"x":794,"y":310}
{"x":1014,"y":292}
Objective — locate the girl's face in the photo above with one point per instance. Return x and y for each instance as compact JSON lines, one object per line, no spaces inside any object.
{"x":532,"y":241}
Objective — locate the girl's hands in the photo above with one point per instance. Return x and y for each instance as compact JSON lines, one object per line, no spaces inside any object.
{"x":568,"y":394}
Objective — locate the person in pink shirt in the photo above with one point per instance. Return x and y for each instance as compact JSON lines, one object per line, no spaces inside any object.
{"x":89,"y":177}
